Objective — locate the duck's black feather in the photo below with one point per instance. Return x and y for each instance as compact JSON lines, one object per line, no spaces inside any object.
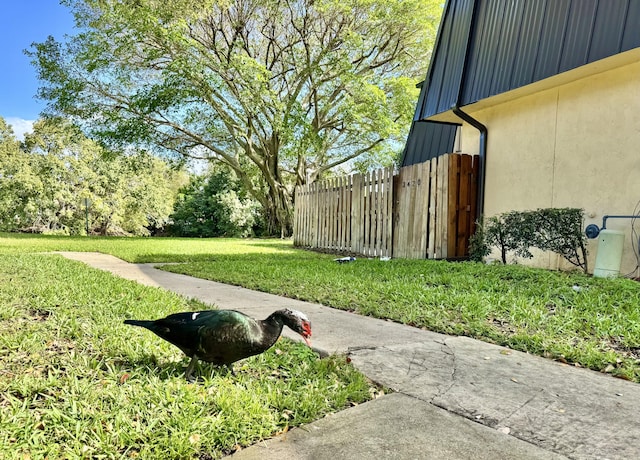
{"x":222,"y":337}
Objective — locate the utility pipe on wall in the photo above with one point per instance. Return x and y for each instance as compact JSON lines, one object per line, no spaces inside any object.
{"x":593,"y":231}
{"x":482,"y":153}
{"x":482,"y":148}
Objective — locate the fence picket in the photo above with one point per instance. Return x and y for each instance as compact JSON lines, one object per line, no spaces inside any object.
{"x":369,"y":214}
{"x":356,"y":216}
{"x":462,"y":224}
{"x":439,"y":253}
{"x":378,"y":212}
{"x":401,"y":217}
{"x":452,"y":204}
{"x":422,"y":210}
{"x":388,"y":227}
{"x":432,"y":209}
{"x":333,"y":212}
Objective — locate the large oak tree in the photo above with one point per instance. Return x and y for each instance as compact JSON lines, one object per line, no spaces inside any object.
{"x":282,"y":91}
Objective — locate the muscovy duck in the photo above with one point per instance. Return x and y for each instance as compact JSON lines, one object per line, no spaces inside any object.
{"x":222,"y":337}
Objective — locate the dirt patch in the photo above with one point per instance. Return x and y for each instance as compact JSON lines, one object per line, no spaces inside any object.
{"x":617,"y":344}
{"x":37,"y":314}
{"x":503,"y":326}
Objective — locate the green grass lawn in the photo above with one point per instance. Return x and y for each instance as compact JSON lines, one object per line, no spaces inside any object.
{"x":67,"y":363}
{"x":77,"y":383}
{"x":141,"y":250}
{"x":571,"y":317}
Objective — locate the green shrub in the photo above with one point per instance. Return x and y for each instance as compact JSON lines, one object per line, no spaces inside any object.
{"x":549,"y":229}
{"x":215,"y":205}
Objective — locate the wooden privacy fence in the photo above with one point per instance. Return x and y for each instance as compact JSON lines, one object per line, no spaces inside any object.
{"x":426,"y":210}
{"x":347,"y":214}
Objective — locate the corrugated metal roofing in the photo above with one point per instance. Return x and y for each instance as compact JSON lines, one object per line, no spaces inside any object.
{"x":487,"y":47}
{"x":427,"y":140}
{"x":451,"y":47}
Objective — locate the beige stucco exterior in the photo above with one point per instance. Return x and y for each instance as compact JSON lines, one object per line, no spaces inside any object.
{"x":569,"y":141}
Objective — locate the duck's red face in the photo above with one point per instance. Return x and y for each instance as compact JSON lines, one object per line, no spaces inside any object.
{"x":306,"y":332}
{"x":299,"y":322}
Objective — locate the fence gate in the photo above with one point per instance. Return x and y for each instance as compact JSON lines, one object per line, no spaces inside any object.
{"x":427,"y":210}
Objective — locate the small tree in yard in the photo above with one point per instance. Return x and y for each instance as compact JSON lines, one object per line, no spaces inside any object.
{"x":509,"y":232}
{"x":560,"y":231}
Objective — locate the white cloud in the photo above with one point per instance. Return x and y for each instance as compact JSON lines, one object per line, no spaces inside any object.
{"x":20,"y":126}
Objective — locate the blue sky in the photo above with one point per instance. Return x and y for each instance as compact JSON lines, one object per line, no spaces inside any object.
{"x":23,"y":22}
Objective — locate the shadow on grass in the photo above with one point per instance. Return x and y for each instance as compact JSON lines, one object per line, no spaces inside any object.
{"x":271,"y":250}
{"x":151,"y":366}
{"x":252,"y":258}
{"x":272,"y":243}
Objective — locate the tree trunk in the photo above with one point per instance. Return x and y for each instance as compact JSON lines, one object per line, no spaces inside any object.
{"x":279,"y":202}
{"x":279,"y":212}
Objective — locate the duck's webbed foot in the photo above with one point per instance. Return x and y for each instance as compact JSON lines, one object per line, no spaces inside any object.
{"x":188,"y":373}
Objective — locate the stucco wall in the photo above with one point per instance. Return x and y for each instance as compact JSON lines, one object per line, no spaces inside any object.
{"x":575,"y":145}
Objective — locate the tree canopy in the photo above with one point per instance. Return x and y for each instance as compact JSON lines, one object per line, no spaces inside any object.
{"x":45,"y":181}
{"x":281,"y":91}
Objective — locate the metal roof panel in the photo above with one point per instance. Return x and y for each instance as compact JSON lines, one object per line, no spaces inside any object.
{"x":445,"y":72}
{"x":606,"y":42}
{"x":631,"y":34}
{"x":577,"y":38}
{"x":427,"y":140}
{"x":487,"y":47}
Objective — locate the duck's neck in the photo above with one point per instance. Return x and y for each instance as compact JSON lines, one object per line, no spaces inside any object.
{"x":272,"y":328}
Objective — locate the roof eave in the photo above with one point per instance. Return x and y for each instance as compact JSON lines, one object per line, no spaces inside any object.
{"x":587,"y":70}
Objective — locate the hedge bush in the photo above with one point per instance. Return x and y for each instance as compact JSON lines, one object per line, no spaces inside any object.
{"x":549,"y":229}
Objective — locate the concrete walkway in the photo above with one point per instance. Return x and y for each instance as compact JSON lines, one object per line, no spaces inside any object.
{"x":455,"y":398}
